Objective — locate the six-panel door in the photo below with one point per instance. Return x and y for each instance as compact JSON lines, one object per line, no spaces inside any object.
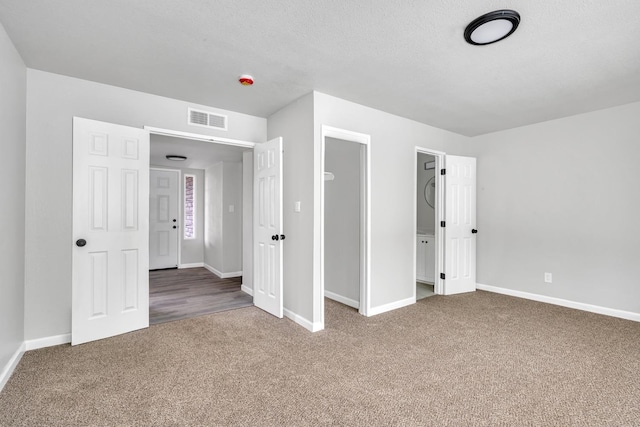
{"x":110,"y":281}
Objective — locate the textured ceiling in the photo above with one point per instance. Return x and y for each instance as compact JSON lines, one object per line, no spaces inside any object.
{"x":405,"y":57}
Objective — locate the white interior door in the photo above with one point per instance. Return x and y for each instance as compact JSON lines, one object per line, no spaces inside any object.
{"x":164,"y":226}
{"x":268,"y":232}
{"x":110,"y":278}
{"x":460,"y":216}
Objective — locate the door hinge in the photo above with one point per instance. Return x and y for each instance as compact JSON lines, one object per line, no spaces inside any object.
{"x":443,"y":224}
{"x":442,"y":276}
{"x":443,"y":171}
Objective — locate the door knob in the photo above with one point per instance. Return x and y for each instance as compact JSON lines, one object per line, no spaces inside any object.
{"x":275,"y":237}
{"x":80,"y":243}
{"x":474,"y":231}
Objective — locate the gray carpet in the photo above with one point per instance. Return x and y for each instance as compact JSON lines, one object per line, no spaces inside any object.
{"x":471,"y":359}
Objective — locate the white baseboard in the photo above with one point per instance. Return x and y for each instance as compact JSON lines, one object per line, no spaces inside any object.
{"x":221,"y":274}
{"x":343,"y":300}
{"x":8,"y":369}
{"x":307,"y":324}
{"x":391,"y":306}
{"x":47,"y":342}
{"x":629,"y":315}
{"x":232,"y":274}
{"x":246,"y":289}
{"x":191,"y":265}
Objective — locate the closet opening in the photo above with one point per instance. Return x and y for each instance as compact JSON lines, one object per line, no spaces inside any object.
{"x":345,"y":211}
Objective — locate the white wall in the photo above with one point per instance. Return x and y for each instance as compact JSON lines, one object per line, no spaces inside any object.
{"x":13,"y":80}
{"x":52,"y":101}
{"x":232,"y":217}
{"x":247,"y":219}
{"x":191,"y":250}
{"x":213,"y":217}
{"x":342,"y":219}
{"x":295,"y":124}
{"x":562,"y":197}
{"x":426,"y":215}
{"x":223,"y":228}
{"x":393,"y":143}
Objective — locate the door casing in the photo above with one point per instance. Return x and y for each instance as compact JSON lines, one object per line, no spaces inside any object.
{"x":439,"y":284}
{"x":365,"y":221}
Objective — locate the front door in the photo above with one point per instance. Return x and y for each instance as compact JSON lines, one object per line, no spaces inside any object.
{"x":164,"y":226}
{"x":268,"y":232}
{"x":110,"y":260}
{"x":460,"y":230}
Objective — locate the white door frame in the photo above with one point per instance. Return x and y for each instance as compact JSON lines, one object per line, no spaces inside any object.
{"x":180,"y":206}
{"x":439,"y":284}
{"x":365,"y":221}
{"x":203,"y":138}
{"x":195,"y":137}
{"x":199,"y":137}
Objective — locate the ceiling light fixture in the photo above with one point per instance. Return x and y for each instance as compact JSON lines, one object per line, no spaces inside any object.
{"x":492,"y":27}
{"x":176,"y":158}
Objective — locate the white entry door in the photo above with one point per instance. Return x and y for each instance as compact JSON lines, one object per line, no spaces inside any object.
{"x":267,"y":226}
{"x":163,"y":219}
{"x":460,"y":231}
{"x":110,"y":277}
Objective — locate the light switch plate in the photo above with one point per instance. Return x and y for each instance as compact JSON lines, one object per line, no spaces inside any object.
{"x":297,"y":207}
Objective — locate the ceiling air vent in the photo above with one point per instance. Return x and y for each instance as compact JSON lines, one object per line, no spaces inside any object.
{"x":207,"y":119}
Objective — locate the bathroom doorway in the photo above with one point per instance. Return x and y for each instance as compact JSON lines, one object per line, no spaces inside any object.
{"x":429,"y":211}
{"x":425,"y":226}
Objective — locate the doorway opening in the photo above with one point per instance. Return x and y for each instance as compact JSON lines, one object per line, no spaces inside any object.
{"x":197,"y":227}
{"x":344,"y":219}
{"x":429,"y":212}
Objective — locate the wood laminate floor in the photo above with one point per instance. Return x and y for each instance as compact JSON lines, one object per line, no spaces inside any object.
{"x":190,"y":292}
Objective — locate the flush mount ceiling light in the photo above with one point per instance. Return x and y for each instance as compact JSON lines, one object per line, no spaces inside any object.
{"x":176,"y":157}
{"x":492,"y":27}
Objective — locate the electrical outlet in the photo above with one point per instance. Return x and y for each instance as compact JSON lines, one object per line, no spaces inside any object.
{"x":547,"y":277}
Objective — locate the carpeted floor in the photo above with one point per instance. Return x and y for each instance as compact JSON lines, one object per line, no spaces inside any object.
{"x":471,"y":359}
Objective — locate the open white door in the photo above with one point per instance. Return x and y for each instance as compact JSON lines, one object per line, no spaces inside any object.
{"x":110,"y":278}
{"x":267,"y":226}
{"x":163,"y":219}
{"x":460,"y":215}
